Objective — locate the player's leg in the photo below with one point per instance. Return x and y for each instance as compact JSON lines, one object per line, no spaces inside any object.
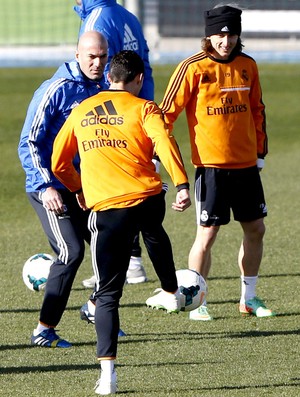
{"x":136,"y":273}
{"x":200,"y":261}
{"x":251,"y":249}
{"x":66,"y":240}
{"x":157,"y":242}
{"x":249,"y":208}
{"x":200,"y":253}
{"x":212,"y":210}
{"x":112,"y":236}
{"x":250,"y":256}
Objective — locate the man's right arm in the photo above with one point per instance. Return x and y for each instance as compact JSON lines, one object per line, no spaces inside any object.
{"x":35,"y":144}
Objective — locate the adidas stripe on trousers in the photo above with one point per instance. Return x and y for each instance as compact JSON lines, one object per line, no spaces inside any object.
{"x":111,"y":243}
{"x":66,"y":235}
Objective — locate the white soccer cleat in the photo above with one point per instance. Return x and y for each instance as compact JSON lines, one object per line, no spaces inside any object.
{"x":89,"y":282}
{"x":106,"y":384}
{"x":200,"y":314}
{"x":165,"y":300}
{"x":136,"y":273}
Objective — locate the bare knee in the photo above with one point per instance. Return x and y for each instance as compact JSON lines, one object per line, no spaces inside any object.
{"x":206,"y":236}
{"x":254,"y":230}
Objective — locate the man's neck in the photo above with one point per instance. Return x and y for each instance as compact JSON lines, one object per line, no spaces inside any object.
{"x":118,"y":86}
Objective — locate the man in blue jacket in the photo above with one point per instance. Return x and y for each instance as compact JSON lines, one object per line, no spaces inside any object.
{"x":123,"y":31}
{"x":63,"y":221}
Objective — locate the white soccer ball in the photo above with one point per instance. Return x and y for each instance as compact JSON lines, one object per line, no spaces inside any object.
{"x":192,"y":287}
{"x":36,"y":270}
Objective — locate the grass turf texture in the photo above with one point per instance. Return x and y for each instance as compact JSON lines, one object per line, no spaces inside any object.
{"x":38,"y":22}
{"x":162,"y":355}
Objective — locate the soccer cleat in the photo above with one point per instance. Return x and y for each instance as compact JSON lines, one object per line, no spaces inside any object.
{"x":200,"y":314}
{"x":256,"y":307}
{"x":165,"y":300}
{"x":106,"y":384}
{"x":121,"y":333}
{"x":136,"y":275}
{"x":89,"y":282}
{"x":87,"y":313}
{"x":49,"y":338}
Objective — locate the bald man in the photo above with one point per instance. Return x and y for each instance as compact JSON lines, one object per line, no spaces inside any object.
{"x":64,"y":223}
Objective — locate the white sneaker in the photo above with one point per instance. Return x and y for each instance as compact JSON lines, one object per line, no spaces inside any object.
{"x":106,"y":384}
{"x":200,"y":314}
{"x":165,"y":300}
{"x":136,"y":273}
{"x":89,"y":282}
{"x":136,"y":276}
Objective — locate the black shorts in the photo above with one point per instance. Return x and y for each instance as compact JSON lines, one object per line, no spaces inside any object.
{"x":217,"y":191}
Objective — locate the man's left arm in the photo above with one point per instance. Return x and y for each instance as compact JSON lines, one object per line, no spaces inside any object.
{"x":259,"y":118}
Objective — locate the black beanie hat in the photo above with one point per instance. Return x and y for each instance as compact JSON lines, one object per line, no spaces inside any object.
{"x":224,"y":19}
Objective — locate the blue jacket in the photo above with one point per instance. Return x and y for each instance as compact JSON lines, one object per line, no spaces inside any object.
{"x":50,"y":106}
{"x":122,"y":30}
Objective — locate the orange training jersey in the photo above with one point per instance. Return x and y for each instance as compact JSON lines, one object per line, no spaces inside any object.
{"x":224,"y":109}
{"x":116,"y":135}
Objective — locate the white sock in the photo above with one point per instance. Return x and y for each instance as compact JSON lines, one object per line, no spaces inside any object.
{"x":248,"y":287}
{"x":107,"y":366}
{"x":135,"y":262}
{"x":40,"y":328}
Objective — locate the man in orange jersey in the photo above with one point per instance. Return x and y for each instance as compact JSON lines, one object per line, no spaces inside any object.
{"x":220,"y":91}
{"x":120,"y":185}
{"x":123,"y":31}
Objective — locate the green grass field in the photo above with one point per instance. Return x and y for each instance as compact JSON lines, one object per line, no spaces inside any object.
{"x":33,"y":22}
{"x":162,"y":355}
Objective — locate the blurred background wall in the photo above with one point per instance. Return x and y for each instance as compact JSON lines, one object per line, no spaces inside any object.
{"x":44,"y":32}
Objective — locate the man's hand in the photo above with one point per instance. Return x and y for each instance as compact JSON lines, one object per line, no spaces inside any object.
{"x":81,"y":201}
{"x":52,"y":201}
{"x":183,"y":200}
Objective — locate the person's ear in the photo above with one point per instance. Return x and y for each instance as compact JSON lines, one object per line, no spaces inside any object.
{"x":109,"y":78}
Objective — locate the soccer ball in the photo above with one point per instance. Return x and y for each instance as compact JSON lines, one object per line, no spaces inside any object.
{"x":192,"y":287}
{"x":36,"y":270}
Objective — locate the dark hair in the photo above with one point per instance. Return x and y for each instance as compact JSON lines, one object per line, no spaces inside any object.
{"x":125,"y":66}
{"x":208,"y":48}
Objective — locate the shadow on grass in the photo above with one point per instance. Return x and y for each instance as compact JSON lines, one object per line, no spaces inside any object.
{"x":48,"y":368}
{"x":223,"y":388}
{"x":260,"y":276}
{"x":143,"y":306}
{"x":72,"y":308}
{"x":167,"y":337}
{"x":204,"y":335}
{"x":293,"y":382}
{"x":213,"y":278}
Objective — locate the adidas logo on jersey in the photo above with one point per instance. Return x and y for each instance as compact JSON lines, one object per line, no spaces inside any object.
{"x":130,"y":41}
{"x":102,"y":114}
